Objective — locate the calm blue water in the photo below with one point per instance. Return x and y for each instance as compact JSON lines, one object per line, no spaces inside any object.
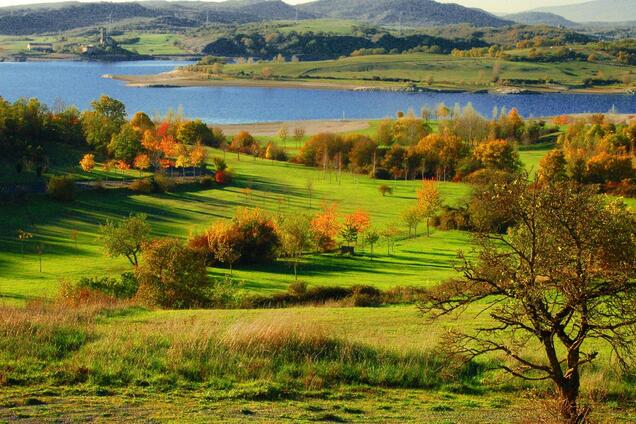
{"x":79,"y":82}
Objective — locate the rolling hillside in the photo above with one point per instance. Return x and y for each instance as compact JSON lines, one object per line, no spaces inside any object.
{"x":74,"y":15}
{"x":407,"y":12}
{"x":541,"y":18}
{"x":56,"y":17}
{"x":596,"y":11}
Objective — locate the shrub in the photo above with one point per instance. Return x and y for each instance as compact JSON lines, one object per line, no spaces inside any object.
{"x":258,"y":240}
{"x":453,"y":219}
{"x":298,"y":288}
{"x":123,"y":288}
{"x":61,"y":188}
{"x":485,"y":177}
{"x":385,"y":189}
{"x":223,"y":177}
{"x":206,"y":182}
{"x":141,"y":186}
{"x":172,"y":275}
{"x":162,"y":183}
{"x":365,"y":296}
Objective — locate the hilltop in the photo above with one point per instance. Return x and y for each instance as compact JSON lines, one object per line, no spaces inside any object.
{"x":596,"y":11}
{"x":406,"y":12}
{"x":541,"y":18}
{"x":55,"y":17}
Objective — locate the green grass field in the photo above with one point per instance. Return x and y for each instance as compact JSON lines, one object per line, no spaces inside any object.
{"x":416,"y":261}
{"x":133,"y":364}
{"x":151,"y":44}
{"x":443,"y":71}
{"x":309,"y":364}
{"x":277,"y":187}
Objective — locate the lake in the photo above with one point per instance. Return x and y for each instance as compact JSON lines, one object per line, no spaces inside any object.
{"x":80,"y":82}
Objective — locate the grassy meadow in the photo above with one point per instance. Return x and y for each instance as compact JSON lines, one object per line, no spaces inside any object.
{"x":301,"y":364}
{"x":119,"y":362}
{"x":416,"y":261}
{"x":436,"y":70}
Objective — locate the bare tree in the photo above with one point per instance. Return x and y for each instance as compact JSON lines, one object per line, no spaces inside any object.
{"x":309,"y":185}
{"x":563,"y":275}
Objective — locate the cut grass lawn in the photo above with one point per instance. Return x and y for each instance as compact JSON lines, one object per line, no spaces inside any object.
{"x":276,"y":187}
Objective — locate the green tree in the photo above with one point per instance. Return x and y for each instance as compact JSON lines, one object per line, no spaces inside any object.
{"x":555,"y":284}
{"x":125,"y":238}
{"x":412,"y":218}
{"x":553,"y":167}
{"x":173,"y":276}
{"x":103,"y":121}
{"x":498,"y":154}
{"x":296,"y":238}
{"x":196,"y":132}
{"x":371,"y":237}
{"x":125,"y":145}
{"x":142,"y":122}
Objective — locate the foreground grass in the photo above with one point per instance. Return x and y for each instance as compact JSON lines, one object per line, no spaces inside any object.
{"x":303,"y":364}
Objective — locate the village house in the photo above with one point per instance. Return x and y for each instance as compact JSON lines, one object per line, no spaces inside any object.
{"x":40,"y":47}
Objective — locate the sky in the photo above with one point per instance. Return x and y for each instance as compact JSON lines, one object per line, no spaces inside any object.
{"x":494,"y":6}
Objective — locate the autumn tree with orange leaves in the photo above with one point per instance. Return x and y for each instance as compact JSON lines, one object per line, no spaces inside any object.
{"x":325,"y":227}
{"x":429,"y":201}
{"x":198,"y":156}
{"x":142,"y":162}
{"x":354,"y":224}
{"x":88,"y":162}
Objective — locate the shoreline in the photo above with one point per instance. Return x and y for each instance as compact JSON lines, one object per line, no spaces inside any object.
{"x":179,"y":79}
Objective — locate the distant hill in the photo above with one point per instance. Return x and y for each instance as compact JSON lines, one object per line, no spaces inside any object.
{"x":596,"y":11}
{"x":407,"y":12}
{"x":541,"y":18}
{"x":268,"y":9}
{"x":55,"y":17}
{"x":25,"y":21}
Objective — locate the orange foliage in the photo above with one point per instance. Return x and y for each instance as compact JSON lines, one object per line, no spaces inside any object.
{"x":562,"y":120}
{"x":198,"y":155}
{"x":122,"y":165}
{"x":88,"y":162}
{"x":142,"y":162}
{"x":359,"y":220}
{"x":325,"y":227}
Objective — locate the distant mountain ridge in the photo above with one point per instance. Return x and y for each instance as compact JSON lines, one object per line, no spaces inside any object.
{"x":596,"y":11}
{"x":55,"y":17}
{"x":407,"y":12}
{"x":541,"y":18}
{"x":25,"y":21}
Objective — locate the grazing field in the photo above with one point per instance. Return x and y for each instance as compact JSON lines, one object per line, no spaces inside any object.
{"x":151,"y":44}
{"x":435,"y":70}
{"x":275,"y":186}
